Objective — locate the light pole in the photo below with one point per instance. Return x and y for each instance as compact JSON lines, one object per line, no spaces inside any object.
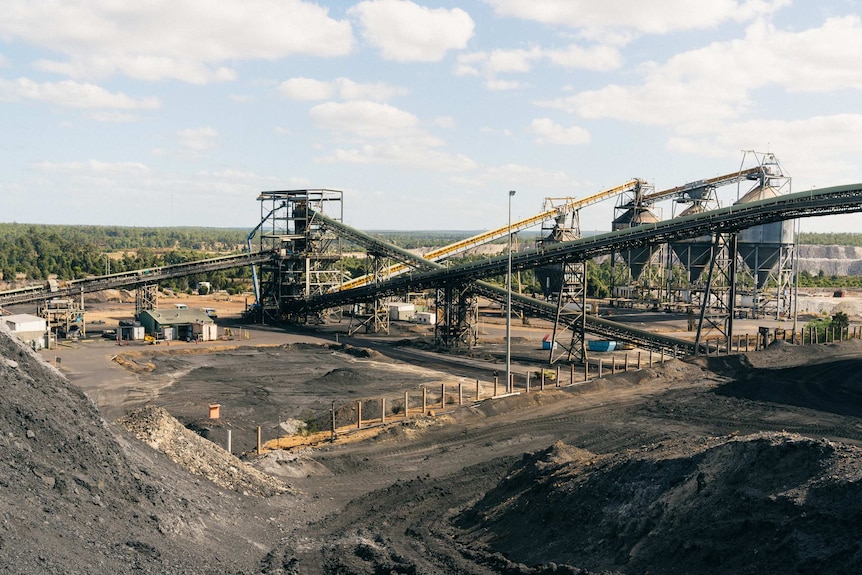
{"x":509,"y":304}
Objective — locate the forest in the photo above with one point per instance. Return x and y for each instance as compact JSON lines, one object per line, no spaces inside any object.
{"x":34,"y":252}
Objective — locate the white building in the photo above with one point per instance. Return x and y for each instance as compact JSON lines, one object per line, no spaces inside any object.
{"x":402,"y":311}
{"x":425,"y":318}
{"x":28,"y":328}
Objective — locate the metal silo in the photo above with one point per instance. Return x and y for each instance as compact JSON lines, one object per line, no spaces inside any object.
{"x":636,"y":259}
{"x":762,"y":247}
{"x":693,"y":254}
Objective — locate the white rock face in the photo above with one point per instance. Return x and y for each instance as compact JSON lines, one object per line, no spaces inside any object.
{"x":832,"y":260}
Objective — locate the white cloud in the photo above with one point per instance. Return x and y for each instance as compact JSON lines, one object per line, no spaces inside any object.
{"x":344,"y":88}
{"x":404,"y":153}
{"x":378,"y":91}
{"x":364,"y":119}
{"x":113,"y":116}
{"x":513,"y":176}
{"x":547,"y":131}
{"x":599,"y":58}
{"x":502,"y":85}
{"x":306,"y":89}
{"x":71,"y":94}
{"x":93,"y":167}
{"x":716,"y":83}
{"x":644,"y":17}
{"x":187,"y":40}
{"x":383,"y":134}
{"x":197,"y":139}
{"x":520,"y":61}
{"x":407,"y":32}
{"x":447,"y":122}
{"x":496,"y":131}
{"x":818,"y":140}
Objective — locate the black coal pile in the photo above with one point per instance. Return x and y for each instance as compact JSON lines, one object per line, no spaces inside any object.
{"x":763,"y":503}
{"x":79,"y":496}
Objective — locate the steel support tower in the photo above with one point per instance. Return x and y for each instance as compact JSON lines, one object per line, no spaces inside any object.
{"x":373,"y":316}
{"x":718,"y":303}
{"x":306,"y":255}
{"x":146,"y":298}
{"x":767,"y":283}
{"x":457,"y":315}
{"x":570,"y":324}
{"x":565,"y":285}
{"x":641,"y":277}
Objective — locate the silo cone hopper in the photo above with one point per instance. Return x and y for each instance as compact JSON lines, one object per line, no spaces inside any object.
{"x":760,"y":246}
{"x":551,"y":277}
{"x":637,"y":259}
{"x":693,"y":254}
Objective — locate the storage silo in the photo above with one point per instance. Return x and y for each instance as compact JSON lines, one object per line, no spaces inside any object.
{"x":694,"y":253}
{"x":636,"y":259}
{"x":551,"y":277}
{"x":761,"y":247}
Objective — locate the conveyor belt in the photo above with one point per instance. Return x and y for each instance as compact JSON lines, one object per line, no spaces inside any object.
{"x":535,"y":307}
{"x":826,"y":201}
{"x":130,"y":279}
{"x":459,"y":247}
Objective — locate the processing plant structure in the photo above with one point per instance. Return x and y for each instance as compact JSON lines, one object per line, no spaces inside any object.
{"x":305,"y":257}
{"x":304,"y":232}
{"x":715,"y":263}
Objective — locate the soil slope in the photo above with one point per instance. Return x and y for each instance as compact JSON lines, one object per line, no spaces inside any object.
{"x":714,"y":465}
{"x":77,"y":496}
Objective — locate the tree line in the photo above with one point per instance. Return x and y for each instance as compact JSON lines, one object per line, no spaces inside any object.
{"x":38,"y":252}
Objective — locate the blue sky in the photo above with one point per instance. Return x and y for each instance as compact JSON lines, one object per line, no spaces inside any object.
{"x":177,"y":112}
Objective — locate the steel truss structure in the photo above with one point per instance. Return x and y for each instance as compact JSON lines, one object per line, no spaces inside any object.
{"x":305,"y":255}
{"x":571,"y":315}
{"x":827,"y":201}
{"x":373,"y":316}
{"x":718,"y":305}
{"x":457,"y":315}
{"x":146,"y":298}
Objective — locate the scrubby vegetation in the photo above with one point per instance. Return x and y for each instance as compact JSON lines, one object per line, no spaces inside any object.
{"x":830,"y":239}
{"x":36,"y":252}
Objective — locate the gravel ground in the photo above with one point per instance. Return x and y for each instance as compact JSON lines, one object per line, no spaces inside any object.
{"x":739,"y":464}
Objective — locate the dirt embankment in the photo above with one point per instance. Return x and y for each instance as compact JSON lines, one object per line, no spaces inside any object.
{"x":764,"y":503}
{"x":714,"y":465}
{"x":78,"y":496}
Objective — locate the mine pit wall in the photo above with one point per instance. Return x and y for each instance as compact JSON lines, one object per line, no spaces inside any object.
{"x":832,"y":260}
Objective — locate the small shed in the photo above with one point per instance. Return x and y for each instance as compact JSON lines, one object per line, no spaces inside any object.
{"x":425,"y":318}
{"x":131,"y":332}
{"x":184,"y":324}
{"x":401,"y":311}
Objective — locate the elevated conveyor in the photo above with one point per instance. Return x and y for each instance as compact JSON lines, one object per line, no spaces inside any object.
{"x":694,"y":189}
{"x":533,"y":306}
{"x":130,"y":279}
{"x":731,"y":219}
{"x":502,"y":232}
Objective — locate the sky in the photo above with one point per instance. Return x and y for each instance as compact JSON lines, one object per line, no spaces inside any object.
{"x":424,"y":113}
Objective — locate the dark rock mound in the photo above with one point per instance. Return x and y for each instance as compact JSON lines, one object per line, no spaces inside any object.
{"x":79,"y":496}
{"x":766,"y":503}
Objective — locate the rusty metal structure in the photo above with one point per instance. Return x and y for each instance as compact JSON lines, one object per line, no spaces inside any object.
{"x":305,"y":257}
